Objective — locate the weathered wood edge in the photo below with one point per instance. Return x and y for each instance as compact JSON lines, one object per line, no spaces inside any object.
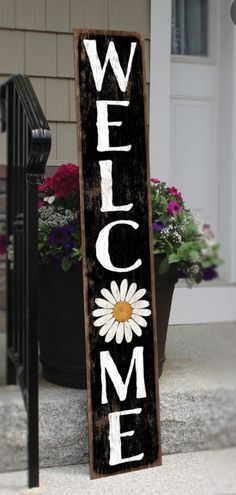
{"x":107,"y":32}
{"x":84,"y":264}
{"x":152,"y":269}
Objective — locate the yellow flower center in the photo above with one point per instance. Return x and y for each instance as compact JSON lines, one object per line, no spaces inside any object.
{"x":122,"y":311}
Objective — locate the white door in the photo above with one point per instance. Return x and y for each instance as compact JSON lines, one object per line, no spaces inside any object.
{"x":192,"y":77}
{"x":194,"y":106}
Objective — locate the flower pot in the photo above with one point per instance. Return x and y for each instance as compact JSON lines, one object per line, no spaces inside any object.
{"x":61,"y":325}
{"x":165,"y":285}
{"x":61,"y":322}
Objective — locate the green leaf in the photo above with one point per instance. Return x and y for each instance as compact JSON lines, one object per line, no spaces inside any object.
{"x":158,"y":250}
{"x":43,"y":227}
{"x":174,"y":258}
{"x":193,"y":255}
{"x":206,"y":263}
{"x":164,"y":266}
{"x":77,"y":253}
{"x":198,"y":277}
{"x":164,"y":218}
{"x":66,"y":264}
{"x":76,"y":235}
{"x":163,"y":202}
{"x":169,"y":247}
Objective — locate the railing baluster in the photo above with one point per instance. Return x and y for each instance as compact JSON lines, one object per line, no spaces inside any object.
{"x":28,"y":145}
{"x":32,"y":355}
{"x":7,"y":102}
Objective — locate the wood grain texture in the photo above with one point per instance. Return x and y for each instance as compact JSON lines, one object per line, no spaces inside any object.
{"x":131,"y":184}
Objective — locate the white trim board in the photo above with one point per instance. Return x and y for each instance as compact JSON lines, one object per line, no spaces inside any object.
{"x":201,"y":303}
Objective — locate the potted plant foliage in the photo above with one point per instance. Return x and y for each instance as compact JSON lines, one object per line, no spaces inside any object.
{"x":182,"y":248}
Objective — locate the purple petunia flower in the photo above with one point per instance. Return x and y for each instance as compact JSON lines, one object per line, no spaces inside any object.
{"x":69,"y":249}
{"x":209,"y":273}
{"x":182,"y":272}
{"x":58,"y":236}
{"x":158,"y":226}
{"x":69,"y":229}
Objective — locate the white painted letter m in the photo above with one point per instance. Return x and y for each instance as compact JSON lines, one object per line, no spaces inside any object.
{"x":108,"y":365}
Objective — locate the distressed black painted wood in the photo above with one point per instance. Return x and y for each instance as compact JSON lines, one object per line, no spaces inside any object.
{"x":121,"y":347}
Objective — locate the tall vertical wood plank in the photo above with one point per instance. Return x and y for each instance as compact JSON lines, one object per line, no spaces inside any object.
{"x":119,"y":298}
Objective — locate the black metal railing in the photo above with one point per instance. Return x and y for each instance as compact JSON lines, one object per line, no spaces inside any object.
{"x":28,"y":147}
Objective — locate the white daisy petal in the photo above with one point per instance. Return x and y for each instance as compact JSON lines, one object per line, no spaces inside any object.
{"x":102,"y":303}
{"x":140,"y":293}
{"x":140,"y":320}
{"x":120,"y":333}
{"x":106,"y":327}
{"x":131,"y":291}
{"x":111,"y":333}
{"x":102,"y":312}
{"x":128,"y":332}
{"x":102,"y":321}
{"x":142,"y":312}
{"x":121,"y":303}
{"x":123,"y":289}
{"x":107,"y":294}
{"x":115,"y":290}
{"x":140,"y":304}
{"x":135,"y":327}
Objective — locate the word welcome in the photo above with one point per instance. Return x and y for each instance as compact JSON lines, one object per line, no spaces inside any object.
{"x":123,"y":393}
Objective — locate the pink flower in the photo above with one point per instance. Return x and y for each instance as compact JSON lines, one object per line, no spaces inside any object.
{"x":45,"y":185}
{"x":179,"y":195}
{"x":155,"y":181}
{"x":65,"y":181}
{"x":40,"y":203}
{"x":174,"y":192}
{"x":173,"y":207}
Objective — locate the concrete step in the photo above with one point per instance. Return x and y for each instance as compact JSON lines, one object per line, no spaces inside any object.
{"x":199,"y":473}
{"x":198,"y":403}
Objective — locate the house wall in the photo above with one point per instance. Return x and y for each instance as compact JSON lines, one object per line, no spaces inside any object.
{"x":36,"y":39}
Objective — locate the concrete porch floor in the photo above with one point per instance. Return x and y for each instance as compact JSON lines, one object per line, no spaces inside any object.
{"x":199,"y":473}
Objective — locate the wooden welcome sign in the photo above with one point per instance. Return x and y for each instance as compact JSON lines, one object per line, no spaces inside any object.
{"x":118,"y":272}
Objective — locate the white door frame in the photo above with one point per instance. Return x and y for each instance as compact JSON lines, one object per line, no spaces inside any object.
{"x":200,"y":304}
{"x":160,"y":88}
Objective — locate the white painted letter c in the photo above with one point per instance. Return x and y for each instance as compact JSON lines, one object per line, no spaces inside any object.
{"x":102,"y":247}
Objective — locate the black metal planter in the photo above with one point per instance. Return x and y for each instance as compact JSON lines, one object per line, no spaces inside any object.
{"x":165,"y":285}
{"x":61,"y":323}
{"x":61,"y":326}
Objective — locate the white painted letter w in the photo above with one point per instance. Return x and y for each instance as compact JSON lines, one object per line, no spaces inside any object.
{"x":112,"y":57}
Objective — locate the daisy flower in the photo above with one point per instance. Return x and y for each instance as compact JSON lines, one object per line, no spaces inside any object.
{"x":121,"y":312}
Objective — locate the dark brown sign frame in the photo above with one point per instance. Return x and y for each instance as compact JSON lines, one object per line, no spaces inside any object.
{"x":118,"y":267}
